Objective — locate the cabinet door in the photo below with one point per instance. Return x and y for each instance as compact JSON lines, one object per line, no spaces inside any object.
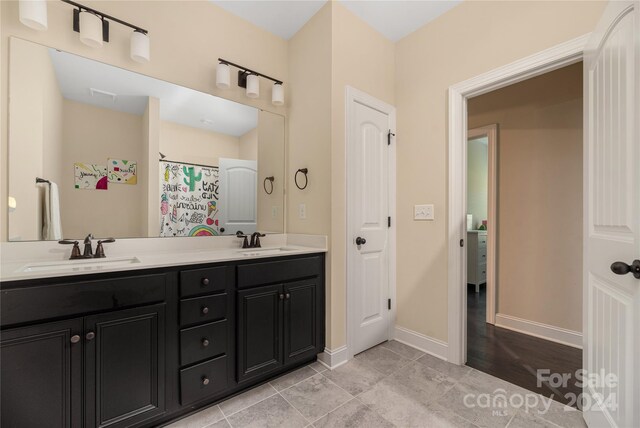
{"x":124,"y":366}
{"x":259,"y":331}
{"x":41,"y":375}
{"x":300,"y":320}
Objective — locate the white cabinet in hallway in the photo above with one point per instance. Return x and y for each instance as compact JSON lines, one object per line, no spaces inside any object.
{"x":477,"y":258}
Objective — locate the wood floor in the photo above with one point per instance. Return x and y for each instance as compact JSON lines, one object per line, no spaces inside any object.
{"x":516,"y":357}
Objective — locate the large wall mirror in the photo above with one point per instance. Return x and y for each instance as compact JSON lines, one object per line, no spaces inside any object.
{"x":98,"y":149}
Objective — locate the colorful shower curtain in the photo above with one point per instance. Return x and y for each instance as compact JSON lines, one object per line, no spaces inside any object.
{"x":188,"y":199}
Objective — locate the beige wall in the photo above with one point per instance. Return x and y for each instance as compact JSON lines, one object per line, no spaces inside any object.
{"x":309,"y":133}
{"x":539,"y":194}
{"x":248,"y":148}
{"x":271,"y":159}
{"x":150,"y":168}
{"x":477,"y":180}
{"x":470,"y":39}
{"x":182,"y":32}
{"x":92,"y":135}
{"x":333,"y":50}
{"x":193,"y":145}
{"x":37,"y":112}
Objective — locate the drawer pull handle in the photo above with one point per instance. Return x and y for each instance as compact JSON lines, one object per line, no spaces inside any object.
{"x":205,"y":281}
{"x":205,"y":342}
{"x":90,"y":336}
{"x":205,"y":380}
{"x":205,"y":310}
{"x":75,"y":338}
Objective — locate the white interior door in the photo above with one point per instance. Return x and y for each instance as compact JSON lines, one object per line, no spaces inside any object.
{"x":612,"y":213}
{"x":238,"y":203}
{"x":368,"y":224}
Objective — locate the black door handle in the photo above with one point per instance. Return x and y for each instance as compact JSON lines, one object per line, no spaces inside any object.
{"x":621,"y":268}
{"x":360,"y":241}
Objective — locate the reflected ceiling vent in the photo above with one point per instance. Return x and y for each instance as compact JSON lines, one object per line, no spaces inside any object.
{"x":103,"y":95}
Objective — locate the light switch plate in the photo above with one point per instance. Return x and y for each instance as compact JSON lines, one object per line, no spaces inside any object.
{"x":423,"y":212}
{"x":302,"y":211}
{"x":274,"y":211}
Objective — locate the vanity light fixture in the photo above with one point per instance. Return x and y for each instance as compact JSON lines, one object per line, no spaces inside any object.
{"x":93,"y":27}
{"x":248,"y":79}
{"x":253,"y":86}
{"x":223,"y":76}
{"x":33,"y":14}
{"x":277,"y":94}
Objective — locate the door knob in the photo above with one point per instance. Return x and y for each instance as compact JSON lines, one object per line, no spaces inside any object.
{"x":360,"y":241}
{"x":621,"y":268}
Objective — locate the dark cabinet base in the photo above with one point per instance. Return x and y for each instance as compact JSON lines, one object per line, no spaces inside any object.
{"x":141,"y":349}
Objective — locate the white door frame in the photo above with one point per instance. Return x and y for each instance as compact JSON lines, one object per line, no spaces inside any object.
{"x":353,"y":95}
{"x":491,"y":132}
{"x":543,"y":62}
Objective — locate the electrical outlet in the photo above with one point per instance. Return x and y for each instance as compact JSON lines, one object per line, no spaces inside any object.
{"x":423,"y":212}
{"x":302,"y":211}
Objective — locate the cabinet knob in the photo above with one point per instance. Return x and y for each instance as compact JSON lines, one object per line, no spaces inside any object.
{"x":287,"y":296}
{"x":205,"y":281}
{"x":90,"y":336}
{"x":281,"y":296}
{"x":75,"y":338}
{"x":205,"y":310}
{"x":205,"y":342}
{"x":205,"y":380}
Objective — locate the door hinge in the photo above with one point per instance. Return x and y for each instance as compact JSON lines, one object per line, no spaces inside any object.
{"x":462,"y":242}
{"x":388,"y":221}
{"x":389,"y":135}
{"x":389,"y":303}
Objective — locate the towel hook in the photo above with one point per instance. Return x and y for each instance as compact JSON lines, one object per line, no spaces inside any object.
{"x":264,"y":184}
{"x":306,"y":179}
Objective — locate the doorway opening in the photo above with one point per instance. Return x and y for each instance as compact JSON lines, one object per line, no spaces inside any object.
{"x":524,"y":237}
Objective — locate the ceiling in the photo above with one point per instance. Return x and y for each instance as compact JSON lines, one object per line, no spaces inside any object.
{"x":392,"y":18}
{"x":101,"y":85}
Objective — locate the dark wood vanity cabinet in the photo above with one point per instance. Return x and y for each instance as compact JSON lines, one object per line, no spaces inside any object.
{"x":139,"y":349}
{"x":278,"y":324}
{"x":41,"y":375}
{"x":124,"y":367}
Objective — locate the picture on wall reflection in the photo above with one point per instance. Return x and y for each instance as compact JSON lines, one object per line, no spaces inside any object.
{"x":188,"y":199}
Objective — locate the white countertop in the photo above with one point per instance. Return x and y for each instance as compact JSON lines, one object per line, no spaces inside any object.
{"x":49,"y":260}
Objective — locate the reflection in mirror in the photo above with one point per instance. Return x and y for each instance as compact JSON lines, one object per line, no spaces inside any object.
{"x":125,"y":155}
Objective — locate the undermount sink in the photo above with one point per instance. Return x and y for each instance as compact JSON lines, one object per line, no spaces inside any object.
{"x":254,"y":252}
{"x":79,"y":265}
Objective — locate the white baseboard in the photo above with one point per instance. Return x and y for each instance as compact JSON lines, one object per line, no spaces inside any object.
{"x":543,"y":331}
{"x":334,"y":358}
{"x":427,"y":344}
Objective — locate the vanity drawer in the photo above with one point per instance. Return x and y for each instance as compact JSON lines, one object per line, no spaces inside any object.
{"x":203,"y":380}
{"x":482,"y":273}
{"x":482,"y":241}
{"x":195,"y":282}
{"x":203,"y":309}
{"x":33,"y":303}
{"x":252,"y":274}
{"x":202,"y":342}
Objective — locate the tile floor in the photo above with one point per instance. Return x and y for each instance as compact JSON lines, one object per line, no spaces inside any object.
{"x":391,"y":385}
